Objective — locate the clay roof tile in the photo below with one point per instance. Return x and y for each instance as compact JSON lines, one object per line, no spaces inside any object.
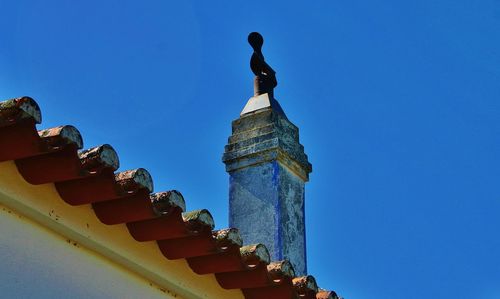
{"x":87,"y":177}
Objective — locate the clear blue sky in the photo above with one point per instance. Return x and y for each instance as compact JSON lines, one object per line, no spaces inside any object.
{"x":398,"y":105}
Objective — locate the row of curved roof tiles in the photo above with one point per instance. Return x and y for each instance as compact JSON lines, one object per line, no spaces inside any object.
{"x":89,"y":177}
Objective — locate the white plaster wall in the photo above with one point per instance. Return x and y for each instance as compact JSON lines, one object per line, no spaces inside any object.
{"x":37,"y":263}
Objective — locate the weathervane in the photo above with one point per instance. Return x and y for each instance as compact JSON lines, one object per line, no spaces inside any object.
{"x":265,"y":76}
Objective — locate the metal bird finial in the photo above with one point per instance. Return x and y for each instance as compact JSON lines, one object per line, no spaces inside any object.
{"x":265,"y":76}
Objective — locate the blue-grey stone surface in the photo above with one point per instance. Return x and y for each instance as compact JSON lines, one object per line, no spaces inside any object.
{"x":268,"y":170}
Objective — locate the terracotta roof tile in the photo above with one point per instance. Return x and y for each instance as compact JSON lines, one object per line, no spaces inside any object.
{"x":15,"y":110}
{"x":305,"y":286}
{"x":132,"y":180}
{"x":61,"y":136}
{"x":322,"y":294}
{"x":88,"y":177}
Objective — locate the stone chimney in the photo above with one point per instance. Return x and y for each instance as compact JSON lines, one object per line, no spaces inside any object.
{"x":268,"y":170}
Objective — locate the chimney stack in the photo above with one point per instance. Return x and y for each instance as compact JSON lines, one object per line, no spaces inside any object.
{"x":267,"y":170}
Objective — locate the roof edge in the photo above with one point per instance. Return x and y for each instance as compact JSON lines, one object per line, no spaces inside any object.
{"x":112,"y":242}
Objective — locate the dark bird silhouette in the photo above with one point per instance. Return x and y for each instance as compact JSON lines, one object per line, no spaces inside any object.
{"x":265,"y":77}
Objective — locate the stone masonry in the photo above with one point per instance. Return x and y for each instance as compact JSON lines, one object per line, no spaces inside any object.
{"x":268,"y":170}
